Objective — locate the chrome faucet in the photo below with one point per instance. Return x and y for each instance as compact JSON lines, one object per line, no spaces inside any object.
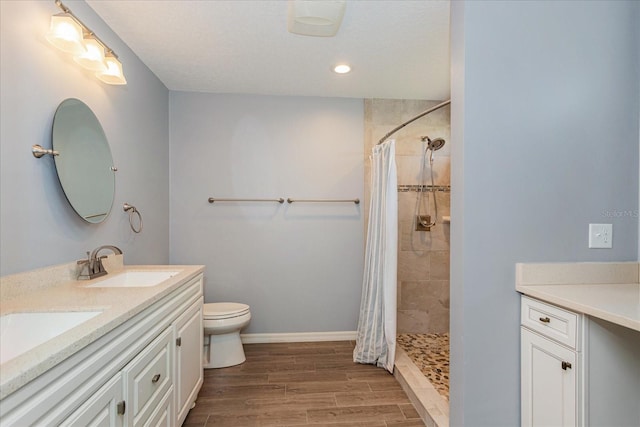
{"x":92,"y":266}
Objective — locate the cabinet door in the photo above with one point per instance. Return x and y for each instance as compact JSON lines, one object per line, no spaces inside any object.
{"x":189,"y":374}
{"x":549,"y":382}
{"x":163,"y":415}
{"x":101,"y":409}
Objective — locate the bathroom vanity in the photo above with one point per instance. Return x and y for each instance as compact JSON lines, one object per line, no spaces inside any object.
{"x":136,"y":361}
{"x":580,"y":344}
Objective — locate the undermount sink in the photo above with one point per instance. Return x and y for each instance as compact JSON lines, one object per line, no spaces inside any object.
{"x":20,"y":332}
{"x":134,"y":279}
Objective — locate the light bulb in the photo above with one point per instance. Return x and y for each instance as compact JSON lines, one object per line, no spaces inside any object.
{"x":93,"y":57}
{"x":66,"y":34}
{"x":342,"y":68}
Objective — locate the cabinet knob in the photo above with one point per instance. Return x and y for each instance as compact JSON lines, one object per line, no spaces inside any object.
{"x":121,"y":407}
{"x":545,"y":320}
{"x":155,"y":378}
{"x":566,"y":365}
{"x":179,"y":341}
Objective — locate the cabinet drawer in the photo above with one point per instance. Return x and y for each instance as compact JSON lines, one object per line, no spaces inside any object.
{"x":149,"y":377}
{"x":551,"y":321}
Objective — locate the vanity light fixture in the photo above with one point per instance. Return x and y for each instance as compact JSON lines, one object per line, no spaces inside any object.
{"x":342,"y":68}
{"x":69,"y":34}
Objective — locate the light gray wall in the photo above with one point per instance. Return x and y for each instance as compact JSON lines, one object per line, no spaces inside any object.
{"x":457,"y":209}
{"x":545,"y":141}
{"x":298,"y":266}
{"x":38,"y":227}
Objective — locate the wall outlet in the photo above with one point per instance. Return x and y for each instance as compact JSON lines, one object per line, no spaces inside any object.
{"x":600,"y":236}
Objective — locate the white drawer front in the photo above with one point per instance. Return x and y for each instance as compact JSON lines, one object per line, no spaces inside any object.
{"x":149,"y":377}
{"x":551,"y":321}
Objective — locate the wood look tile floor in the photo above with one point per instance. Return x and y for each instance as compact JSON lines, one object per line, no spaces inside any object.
{"x":301,"y":384}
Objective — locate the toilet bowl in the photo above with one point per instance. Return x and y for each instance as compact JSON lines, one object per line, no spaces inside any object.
{"x":222,"y":322}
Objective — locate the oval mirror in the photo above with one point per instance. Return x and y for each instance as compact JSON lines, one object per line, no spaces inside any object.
{"x":84,"y":164}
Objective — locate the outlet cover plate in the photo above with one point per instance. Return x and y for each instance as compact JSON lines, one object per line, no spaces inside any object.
{"x":600,"y":236}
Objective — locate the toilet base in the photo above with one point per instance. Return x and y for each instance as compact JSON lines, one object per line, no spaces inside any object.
{"x":223,"y":351}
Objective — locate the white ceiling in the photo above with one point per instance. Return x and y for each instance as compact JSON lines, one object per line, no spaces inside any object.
{"x":397,"y":49}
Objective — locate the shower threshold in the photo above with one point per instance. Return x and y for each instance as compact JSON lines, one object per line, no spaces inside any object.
{"x":432,"y":404}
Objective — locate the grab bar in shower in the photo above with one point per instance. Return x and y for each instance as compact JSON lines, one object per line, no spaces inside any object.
{"x":214,"y":199}
{"x":356,"y":201}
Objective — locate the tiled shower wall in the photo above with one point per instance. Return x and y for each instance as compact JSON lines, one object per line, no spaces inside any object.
{"x":423,"y":256}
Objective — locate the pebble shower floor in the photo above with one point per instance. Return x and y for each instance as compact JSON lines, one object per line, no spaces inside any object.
{"x":430,"y":353}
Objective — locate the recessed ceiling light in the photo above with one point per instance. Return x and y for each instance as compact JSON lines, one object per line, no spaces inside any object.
{"x":342,"y":68}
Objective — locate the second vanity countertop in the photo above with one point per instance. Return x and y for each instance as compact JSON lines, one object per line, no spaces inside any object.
{"x":117,"y":305}
{"x":608,"y":291}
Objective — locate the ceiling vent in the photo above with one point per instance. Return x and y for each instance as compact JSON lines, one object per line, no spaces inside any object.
{"x":319,"y":18}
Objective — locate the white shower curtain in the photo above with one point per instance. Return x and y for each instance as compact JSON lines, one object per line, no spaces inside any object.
{"x":376,"y":338}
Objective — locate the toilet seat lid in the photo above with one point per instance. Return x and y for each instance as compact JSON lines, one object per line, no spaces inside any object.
{"x":224,"y":310}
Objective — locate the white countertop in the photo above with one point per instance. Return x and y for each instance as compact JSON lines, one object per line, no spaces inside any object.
{"x":614,"y":296}
{"x":117,"y":305}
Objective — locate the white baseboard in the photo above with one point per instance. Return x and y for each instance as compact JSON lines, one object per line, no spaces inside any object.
{"x":298,"y":337}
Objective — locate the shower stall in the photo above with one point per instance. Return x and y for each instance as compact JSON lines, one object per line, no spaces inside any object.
{"x":423,"y":168}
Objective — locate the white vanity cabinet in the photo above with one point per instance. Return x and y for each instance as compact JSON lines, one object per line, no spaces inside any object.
{"x":135,"y":392}
{"x":104,"y":408}
{"x":145,"y":372}
{"x":583,"y":317}
{"x":551,"y":365}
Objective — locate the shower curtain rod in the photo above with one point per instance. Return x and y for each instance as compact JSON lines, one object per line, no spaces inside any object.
{"x":424,"y":113}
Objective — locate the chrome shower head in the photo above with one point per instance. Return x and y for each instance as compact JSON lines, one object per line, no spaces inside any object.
{"x":435,"y":144}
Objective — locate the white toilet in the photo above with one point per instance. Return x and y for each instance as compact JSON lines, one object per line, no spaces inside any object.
{"x":222,"y":324}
